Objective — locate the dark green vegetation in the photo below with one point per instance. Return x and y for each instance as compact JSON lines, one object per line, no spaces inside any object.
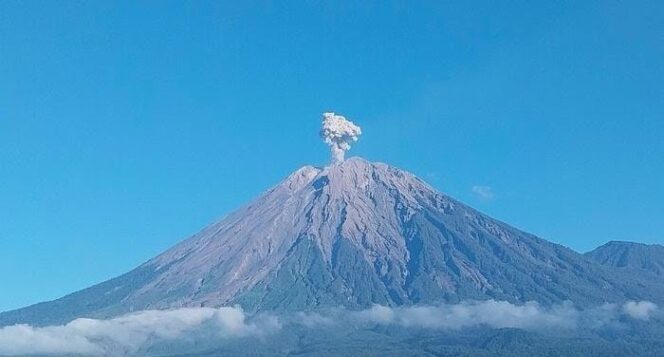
{"x":392,"y":341}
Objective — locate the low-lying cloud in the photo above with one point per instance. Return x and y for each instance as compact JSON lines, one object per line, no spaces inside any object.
{"x":641,"y":310}
{"x":502,"y":314}
{"x":138,"y":332}
{"x":494,"y":314}
{"x":131,"y":333}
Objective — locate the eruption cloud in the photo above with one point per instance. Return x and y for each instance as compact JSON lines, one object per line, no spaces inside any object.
{"x":338,"y":133}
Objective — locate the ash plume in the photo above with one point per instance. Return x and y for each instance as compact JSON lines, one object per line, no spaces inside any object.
{"x":338,"y":133}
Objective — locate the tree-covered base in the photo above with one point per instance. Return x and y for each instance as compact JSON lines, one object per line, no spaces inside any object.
{"x":398,"y":341}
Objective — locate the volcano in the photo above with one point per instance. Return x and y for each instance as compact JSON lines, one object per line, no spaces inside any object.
{"x":353,"y":234}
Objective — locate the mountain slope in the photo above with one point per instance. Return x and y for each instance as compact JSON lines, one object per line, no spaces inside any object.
{"x":630,"y":255}
{"x":352,"y":235}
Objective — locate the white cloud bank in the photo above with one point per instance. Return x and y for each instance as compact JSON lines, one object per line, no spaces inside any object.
{"x":127,"y":334}
{"x":641,"y":310}
{"x":502,"y":314}
{"x":130,"y":334}
{"x":494,"y":314}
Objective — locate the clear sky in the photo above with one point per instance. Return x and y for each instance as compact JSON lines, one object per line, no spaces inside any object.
{"x":126,"y":126}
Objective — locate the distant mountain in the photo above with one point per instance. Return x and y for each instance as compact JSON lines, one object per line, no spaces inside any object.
{"x":630,"y":255}
{"x":353,"y":234}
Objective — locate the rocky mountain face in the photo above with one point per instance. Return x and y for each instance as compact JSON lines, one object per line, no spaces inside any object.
{"x":353,"y":234}
{"x":630,"y":255}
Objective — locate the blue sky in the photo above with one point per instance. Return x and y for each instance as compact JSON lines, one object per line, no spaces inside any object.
{"x":127,"y":126}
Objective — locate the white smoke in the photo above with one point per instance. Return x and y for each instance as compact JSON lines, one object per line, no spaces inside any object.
{"x":338,"y":133}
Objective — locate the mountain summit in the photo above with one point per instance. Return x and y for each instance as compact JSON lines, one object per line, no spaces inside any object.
{"x":353,"y":234}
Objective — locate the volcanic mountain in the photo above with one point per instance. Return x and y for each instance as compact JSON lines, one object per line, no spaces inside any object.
{"x":353,"y":234}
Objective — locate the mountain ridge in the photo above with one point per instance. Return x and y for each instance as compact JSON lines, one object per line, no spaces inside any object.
{"x":621,"y":254}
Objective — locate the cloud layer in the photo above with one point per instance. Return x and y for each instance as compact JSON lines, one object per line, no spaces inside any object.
{"x":494,"y":314}
{"x":131,"y":334}
{"x":641,"y":310}
{"x":128,"y":334}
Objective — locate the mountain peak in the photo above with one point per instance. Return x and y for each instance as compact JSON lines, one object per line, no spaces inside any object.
{"x":356,"y":179}
{"x":353,"y":166}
